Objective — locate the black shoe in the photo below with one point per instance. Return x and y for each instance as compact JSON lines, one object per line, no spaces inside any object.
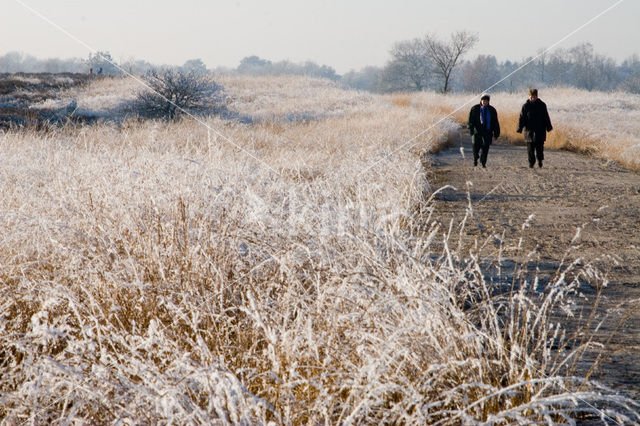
{"x":475,"y":163}
{"x":484,"y":166}
{"x":540,"y":164}
{"x":530,"y":166}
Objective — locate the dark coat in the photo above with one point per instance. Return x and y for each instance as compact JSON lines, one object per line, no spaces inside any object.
{"x":535,"y":121}
{"x":476,"y":128}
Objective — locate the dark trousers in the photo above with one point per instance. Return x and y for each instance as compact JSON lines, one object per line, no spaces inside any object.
{"x":481,"y":143}
{"x":535,"y":149}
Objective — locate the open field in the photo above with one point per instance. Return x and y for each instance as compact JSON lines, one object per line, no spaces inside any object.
{"x":284,"y":268}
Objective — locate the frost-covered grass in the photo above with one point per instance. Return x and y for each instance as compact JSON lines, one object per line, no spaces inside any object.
{"x":286,"y":270}
{"x":605,"y":124}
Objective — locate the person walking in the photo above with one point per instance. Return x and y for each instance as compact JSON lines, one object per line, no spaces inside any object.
{"x":483,"y":126}
{"x":534,"y":120}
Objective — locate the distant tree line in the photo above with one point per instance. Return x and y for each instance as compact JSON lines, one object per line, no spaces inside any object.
{"x":412,"y":67}
{"x":13,"y":62}
{"x":422,"y":64}
{"x":427,"y":63}
{"x":103,"y":63}
{"x":254,"y":65}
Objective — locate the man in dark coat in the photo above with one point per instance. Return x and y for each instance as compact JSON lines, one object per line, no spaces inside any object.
{"x":534,"y":119}
{"x":483,"y":126}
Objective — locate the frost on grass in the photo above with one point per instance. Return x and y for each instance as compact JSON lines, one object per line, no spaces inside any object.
{"x":156,"y":273}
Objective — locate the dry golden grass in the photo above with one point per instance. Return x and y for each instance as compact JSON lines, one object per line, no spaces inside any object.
{"x":284,"y":270}
{"x":401,"y":100}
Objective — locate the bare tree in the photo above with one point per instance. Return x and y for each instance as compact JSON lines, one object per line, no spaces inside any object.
{"x":410,"y":67}
{"x":368,"y":78}
{"x":480,"y":74}
{"x":103,"y":63}
{"x":541,"y":62}
{"x":582,"y":58}
{"x":630,"y":74}
{"x":11,"y":62}
{"x":136,"y":66}
{"x":592,"y":71}
{"x":195,"y":66}
{"x":445,"y":55}
{"x":175,"y":92}
{"x":254,"y":65}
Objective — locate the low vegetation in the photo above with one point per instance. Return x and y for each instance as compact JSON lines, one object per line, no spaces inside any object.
{"x":280,"y":269}
{"x":169,"y":94}
{"x":34,"y":99}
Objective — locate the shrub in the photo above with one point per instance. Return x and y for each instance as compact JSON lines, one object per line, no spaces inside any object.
{"x":172,"y":93}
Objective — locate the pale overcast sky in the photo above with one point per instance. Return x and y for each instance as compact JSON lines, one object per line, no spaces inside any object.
{"x":344,"y":34}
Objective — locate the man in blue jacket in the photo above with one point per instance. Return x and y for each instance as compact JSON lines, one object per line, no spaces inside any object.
{"x":535,"y":121}
{"x":483,"y":126}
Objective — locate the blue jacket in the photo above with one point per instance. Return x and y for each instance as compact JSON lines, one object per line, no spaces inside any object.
{"x":475,"y":126}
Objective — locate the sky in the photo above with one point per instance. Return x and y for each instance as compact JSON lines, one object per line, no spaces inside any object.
{"x":344,"y":34}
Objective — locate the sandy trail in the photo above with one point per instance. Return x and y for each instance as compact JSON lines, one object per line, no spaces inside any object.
{"x":570,"y":191}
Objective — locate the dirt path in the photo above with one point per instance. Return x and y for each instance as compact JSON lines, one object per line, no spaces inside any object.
{"x":570,"y":191}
